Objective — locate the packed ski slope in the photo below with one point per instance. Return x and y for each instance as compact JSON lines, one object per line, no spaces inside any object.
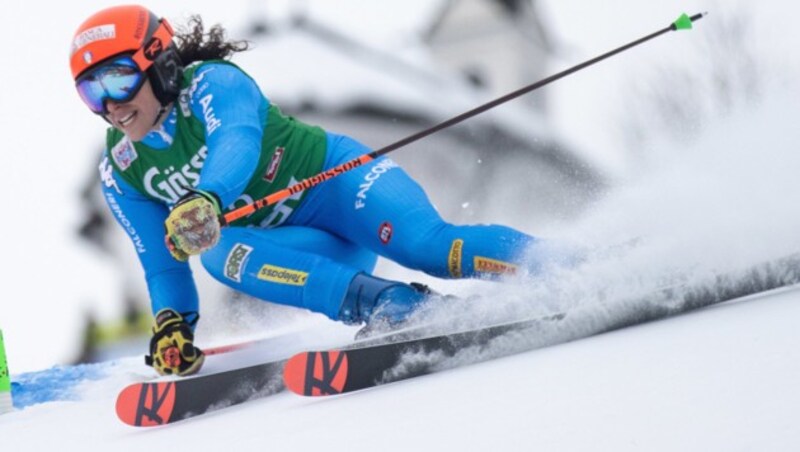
{"x":719,"y":379}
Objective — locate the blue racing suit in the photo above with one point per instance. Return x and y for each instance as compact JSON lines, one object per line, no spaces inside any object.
{"x":308,"y":255}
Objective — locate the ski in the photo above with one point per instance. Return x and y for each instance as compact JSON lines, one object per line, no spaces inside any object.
{"x":319,"y":373}
{"x":384,"y":359}
{"x":338,"y":371}
{"x":149,"y":404}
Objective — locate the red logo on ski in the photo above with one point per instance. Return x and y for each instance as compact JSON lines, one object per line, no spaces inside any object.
{"x":146,"y":404}
{"x":316,"y":373}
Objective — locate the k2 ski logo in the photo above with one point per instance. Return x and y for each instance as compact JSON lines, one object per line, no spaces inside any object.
{"x":155,"y":404}
{"x":373,"y":175}
{"x":326,"y":373}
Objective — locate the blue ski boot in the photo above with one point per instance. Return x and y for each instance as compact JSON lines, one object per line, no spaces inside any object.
{"x":380,"y":303}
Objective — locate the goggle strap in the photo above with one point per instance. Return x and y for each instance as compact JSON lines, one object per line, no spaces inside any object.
{"x":162,"y":38}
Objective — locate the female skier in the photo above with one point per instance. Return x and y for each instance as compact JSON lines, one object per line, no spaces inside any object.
{"x":192,"y":137}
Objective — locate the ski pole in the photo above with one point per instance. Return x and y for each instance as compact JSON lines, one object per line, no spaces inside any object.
{"x":684,"y":22}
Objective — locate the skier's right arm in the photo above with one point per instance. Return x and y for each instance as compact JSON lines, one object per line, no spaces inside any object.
{"x":169,"y":282}
{"x":173,"y":294}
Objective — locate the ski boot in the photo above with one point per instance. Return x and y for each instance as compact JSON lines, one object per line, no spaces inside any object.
{"x":382,"y":304}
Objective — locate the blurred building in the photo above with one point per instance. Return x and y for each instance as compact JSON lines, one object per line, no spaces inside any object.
{"x":469,"y":52}
{"x":498,"y":45}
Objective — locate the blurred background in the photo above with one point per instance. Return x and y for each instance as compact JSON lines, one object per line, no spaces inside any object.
{"x":379,"y":71}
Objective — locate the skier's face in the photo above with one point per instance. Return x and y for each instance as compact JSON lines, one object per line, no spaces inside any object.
{"x":137,"y":116}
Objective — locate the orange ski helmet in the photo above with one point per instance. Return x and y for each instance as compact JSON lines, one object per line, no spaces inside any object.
{"x":135,"y":31}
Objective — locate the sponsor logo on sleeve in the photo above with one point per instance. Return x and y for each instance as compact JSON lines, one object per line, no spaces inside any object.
{"x":212,"y":123}
{"x":186,"y":97}
{"x":493,"y":266}
{"x":126,"y":224}
{"x":282,"y":275}
{"x":385,"y":232}
{"x":454,"y":258}
{"x":237,"y":258}
{"x":374,"y":174}
{"x":107,"y":175}
{"x":124,"y":154}
{"x":274,"y":164}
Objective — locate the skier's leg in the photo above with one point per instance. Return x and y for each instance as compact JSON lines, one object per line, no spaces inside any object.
{"x":307,"y":268}
{"x":295,"y":266}
{"x":381,"y":208}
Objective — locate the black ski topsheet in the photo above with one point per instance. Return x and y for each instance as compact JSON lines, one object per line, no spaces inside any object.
{"x":158,"y":403}
{"x":339,"y":371}
{"x":328,"y":372}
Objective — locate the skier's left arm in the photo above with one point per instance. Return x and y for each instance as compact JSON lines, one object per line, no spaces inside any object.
{"x":232,"y":110}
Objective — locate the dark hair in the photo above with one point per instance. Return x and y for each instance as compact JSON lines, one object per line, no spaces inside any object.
{"x":194,"y":44}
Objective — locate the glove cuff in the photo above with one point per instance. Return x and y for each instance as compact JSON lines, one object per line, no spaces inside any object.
{"x":168,"y":316}
{"x":209,"y":196}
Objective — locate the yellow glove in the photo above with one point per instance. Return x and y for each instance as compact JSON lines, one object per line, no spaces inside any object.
{"x":172,"y":350}
{"x":193,"y":225}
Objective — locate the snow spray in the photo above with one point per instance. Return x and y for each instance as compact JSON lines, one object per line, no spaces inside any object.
{"x":5,"y":380}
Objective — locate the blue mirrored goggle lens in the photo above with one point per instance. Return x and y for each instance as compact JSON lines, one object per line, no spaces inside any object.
{"x":119,"y":81}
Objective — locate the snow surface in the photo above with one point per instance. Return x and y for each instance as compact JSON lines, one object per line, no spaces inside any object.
{"x":721,"y":379}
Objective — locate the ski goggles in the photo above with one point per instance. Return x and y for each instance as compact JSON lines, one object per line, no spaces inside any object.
{"x":119,"y":80}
